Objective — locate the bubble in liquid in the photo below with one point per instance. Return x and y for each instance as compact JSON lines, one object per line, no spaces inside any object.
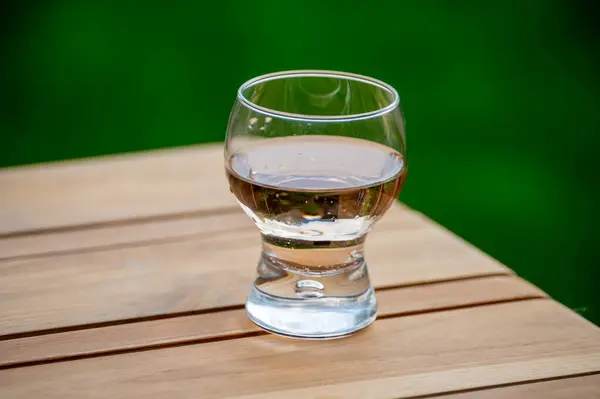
{"x":309,"y":289}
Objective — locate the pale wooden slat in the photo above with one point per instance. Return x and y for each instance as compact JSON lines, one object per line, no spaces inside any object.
{"x":425,"y":384}
{"x":234,"y":323}
{"x":120,"y":235}
{"x":199,"y":273}
{"x":587,"y":387}
{"x":157,"y":229}
{"x":419,"y":355}
{"x":98,"y":190}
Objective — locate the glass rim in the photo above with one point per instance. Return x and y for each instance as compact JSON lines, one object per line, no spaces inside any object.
{"x":318,"y":73}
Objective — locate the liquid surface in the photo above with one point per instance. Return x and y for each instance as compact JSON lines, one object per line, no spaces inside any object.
{"x":315,"y":191}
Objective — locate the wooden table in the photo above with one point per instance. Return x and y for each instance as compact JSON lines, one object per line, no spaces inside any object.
{"x":112,"y":285}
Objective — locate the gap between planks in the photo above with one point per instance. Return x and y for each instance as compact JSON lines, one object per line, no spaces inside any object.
{"x":111,"y":188}
{"x":587,"y":386}
{"x":93,"y":341}
{"x":218,"y":309}
{"x":120,"y":222}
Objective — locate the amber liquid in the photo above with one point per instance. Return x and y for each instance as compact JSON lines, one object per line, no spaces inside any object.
{"x":319,"y":191}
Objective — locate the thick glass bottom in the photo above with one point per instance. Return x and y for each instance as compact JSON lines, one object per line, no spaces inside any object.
{"x":310,"y":306}
{"x":322,"y":318}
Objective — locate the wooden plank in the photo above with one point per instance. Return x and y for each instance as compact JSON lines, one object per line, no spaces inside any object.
{"x":397,"y":357}
{"x":435,"y":383}
{"x":98,"y":190}
{"x":162,"y":229}
{"x":102,"y":237}
{"x":587,"y":387}
{"x":198,"y":273}
{"x":234,"y":323}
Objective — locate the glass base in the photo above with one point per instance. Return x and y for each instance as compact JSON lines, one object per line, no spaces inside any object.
{"x":297,"y":305}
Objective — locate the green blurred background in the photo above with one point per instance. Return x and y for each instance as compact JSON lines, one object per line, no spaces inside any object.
{"x":501,"y":100}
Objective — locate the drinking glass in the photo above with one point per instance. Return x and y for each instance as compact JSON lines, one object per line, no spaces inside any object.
{"x":315,"y":158}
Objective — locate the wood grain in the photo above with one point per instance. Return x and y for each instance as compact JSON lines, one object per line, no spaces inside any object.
{"x":234,"y":323}
{"x":397,"y":357}
{"x":98,"y":190}
{"x":587,"y":387}
{"x":198,"y":273}
{"x":121,"y":234}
